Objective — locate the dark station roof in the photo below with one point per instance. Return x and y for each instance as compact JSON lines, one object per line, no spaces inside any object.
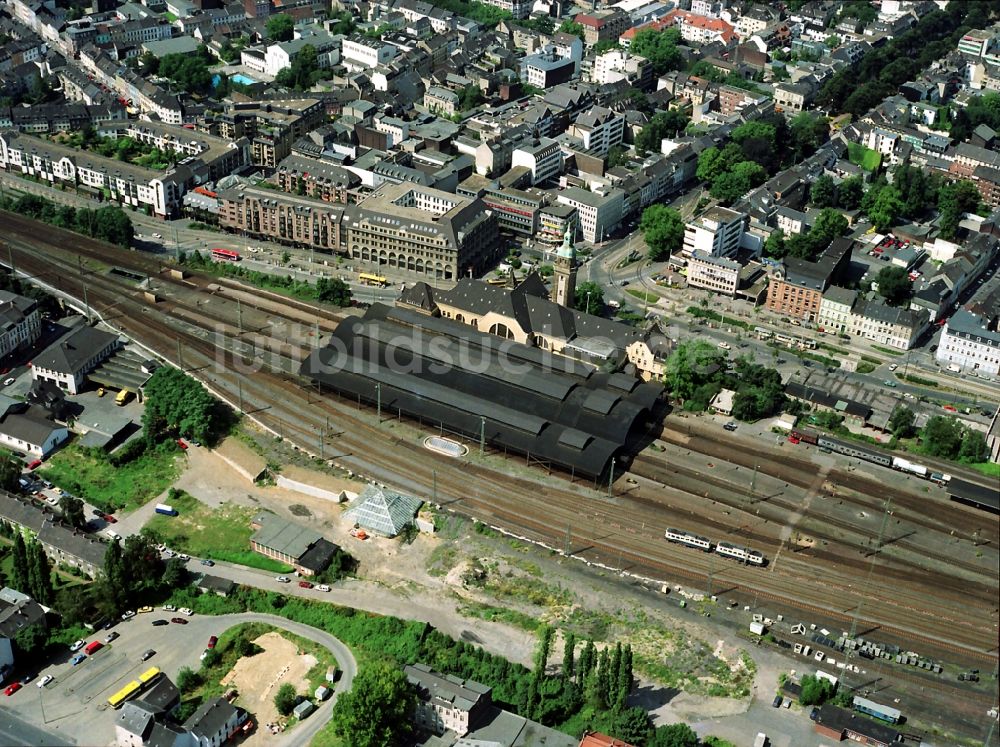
{"x":978,"y":496}
{"x":533,"y":402}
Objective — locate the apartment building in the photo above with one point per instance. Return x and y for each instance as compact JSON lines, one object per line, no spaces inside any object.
{"x":599,"y":129}
{"x":20,"y":322}
{"x":887,"y":325}
{"x":222,"y":157}
{"x":797,"y":288}
{"x":599,"y":214}
{"x":517,"y":8}
{"x":547,"y":68}
{"x":424,"y":231}
{"x":618,"y":65}
{"x":716,"y":233}
{"x":793,"y":97}
{"x":972,"y":342}
{"x":554,"y":220}
{"x":271,"y":126}
{"x":320,"y":180}
{"x":541,"y":156}
{"x":835,"y":309}
{"x":441,"y":101}
{"x":712,"y":273}
{"x":160,"y":192}
{"x":283,"y":217}
{"x":445,"y":702}
{"x":603,"y":25}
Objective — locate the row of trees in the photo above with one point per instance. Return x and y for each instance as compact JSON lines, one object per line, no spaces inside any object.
{"x":109,"y":223}
{"x":825,"y":193}
{"x":31,"y":573}
{"x":178,"y":405}
{"x":186,"y":71}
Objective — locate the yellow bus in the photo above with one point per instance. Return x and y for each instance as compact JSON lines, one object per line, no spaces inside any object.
{"x":497,"y":281}
{"x":125,"y":693}
{"x":149,"y":675}
{"x":367,"y":278}
{"x":122,"y":397}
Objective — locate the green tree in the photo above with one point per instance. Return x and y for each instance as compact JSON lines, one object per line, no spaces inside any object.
{"x":303,"y":72}
{"x":815,"y":690}
{"x":663,"y":230}
{"x":711,"y":164}
{"x":759,"y":391}
{"x":280,"y":27}
{"x":10,"y":472}
{"x":901,"y":422}
{"x":662,"y":125}
{"x":334,"y":291}
{"x":589,"y":298}
{"x":711,"y":741}
{"x":954,"y":200}
{"x":21,"y":575}
{"x":286,"y":699}
{"x":829,"y":225}
{"x":175,"y":574}
{"x":470,"y":97}
{"x":673,"y":735}
{"x":850,"y":192}
{"x":188,"y":680}
{"x":894,"y":285}
{"x":823,"y":193}
{"x":114,"y":585}
{"x":775,"y":244}
{"x":31,"y":641}
{"x":660,"y":48}
{"x":571,"y":27}
{"x":569,"y":647}
{"x":177,"y":404}
{"x":376,"y":711}
{"x":883,"y":206}
{"x":690,"y":366}
{"x":942,"y":437}
{"x":974,"y":448}
{"x":72,"y":510}
{"x":38,"y":562}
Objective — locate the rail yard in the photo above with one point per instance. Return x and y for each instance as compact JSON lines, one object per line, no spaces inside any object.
{"x":905,"y":566}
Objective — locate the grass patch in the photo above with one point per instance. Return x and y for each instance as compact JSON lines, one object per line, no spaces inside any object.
{"x":917,"y":380}
{"x":826,"y":361}
{"x":866,"y":367}
{"x":869,"y":359}
{"x":219,"y":534}
{"x":887,"y":351}
{"x":91,"y":474}
{"x":488,"y":612}
{"x":987,"y":468}
{"x":442,"y":559}
{"x":643,"y":295}
{"x":835,"y":349}
{"x":866,"y":158}
{"x":715,"y":316}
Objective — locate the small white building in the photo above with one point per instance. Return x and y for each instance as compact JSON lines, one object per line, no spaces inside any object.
{"x":970,"y":342}
{"x":713,"y":273}
{"x":360,"y":54}
{"x":20,"y":322}
{"x":67,"y":361}
{"x":835,"y":309}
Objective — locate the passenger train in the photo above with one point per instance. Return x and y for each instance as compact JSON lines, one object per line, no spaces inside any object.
{"x":869,"y":455}
{"x":745,"y":554}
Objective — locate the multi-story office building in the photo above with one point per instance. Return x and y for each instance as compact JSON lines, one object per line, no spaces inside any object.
{"x":599,"y":129}
{"x":284,"y":217}
{"x":713,"y":273}
{"x":716,"y":233}
{"x":599,"y":215}
{"x":515,"y":209}
{"x":603,"y":25}
{"x":424,"y":231}
{"x":361,"y":54}
{"x":971,"y":342}
{"x":553,"y":220}
{"x":542,"y":156}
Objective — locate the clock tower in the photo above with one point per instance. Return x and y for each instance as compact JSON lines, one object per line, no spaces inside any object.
{"x":564,"y":286}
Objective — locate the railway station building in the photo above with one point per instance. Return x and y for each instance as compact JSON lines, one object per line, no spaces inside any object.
{"x":559,"y":412}
{"x":839,"y":724}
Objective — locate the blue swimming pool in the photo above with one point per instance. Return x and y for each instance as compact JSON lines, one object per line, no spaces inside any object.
{"x":242,"y":80}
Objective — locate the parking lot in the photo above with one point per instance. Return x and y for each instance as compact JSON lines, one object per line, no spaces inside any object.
{"x":74,"y":704}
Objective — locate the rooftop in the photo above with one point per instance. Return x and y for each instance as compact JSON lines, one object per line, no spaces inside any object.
{"x":70,"y":354}
{"x":281,"y":535}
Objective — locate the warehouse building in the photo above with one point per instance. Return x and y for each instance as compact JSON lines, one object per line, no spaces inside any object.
{"x":557,"y":411}
{"x":292,"y":543}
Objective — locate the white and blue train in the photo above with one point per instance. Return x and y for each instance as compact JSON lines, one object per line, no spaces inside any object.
{"x":728,"y":549}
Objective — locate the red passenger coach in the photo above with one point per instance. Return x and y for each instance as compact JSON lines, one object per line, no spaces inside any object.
{"x":804,"y":435}
{"x":226,"y":255}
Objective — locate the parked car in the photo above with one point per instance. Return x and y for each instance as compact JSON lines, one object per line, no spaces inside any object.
{"x":45,"y":680}
{"x":179,"y":620}
{"x":9,"y":381}
{"x":730,"y":426}
{"x":159,"y":623}
{"x":283,"y":580}
{"x":128,"y":615}
{"x":185,"y":611}
{"x":305,"y":584}
{"x":323,"y":587}
{"x":148,"y":654}
{"x":12,"y":688}
{"x":77,"y":645}
{"x":27,"y":678}
{"x":77,"y":659}
{"x":113,"y":635}
{"x":208,"y":562}
{"x":169,"y":607}
{"x":147,"y":608}
{"x":109,"y":518}
{"x":212,"y":641}
{"x":777,"y":701}
{"x":183,"y":445}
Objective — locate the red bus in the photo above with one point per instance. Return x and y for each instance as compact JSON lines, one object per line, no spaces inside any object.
{"x":226,"y":255}
{"x":92,"y":647}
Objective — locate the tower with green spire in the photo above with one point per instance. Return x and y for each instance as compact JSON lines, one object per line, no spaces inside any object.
{"x":564,"y":276}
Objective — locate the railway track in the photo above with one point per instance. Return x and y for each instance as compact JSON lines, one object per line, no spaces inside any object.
{"x":540,"y":511}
